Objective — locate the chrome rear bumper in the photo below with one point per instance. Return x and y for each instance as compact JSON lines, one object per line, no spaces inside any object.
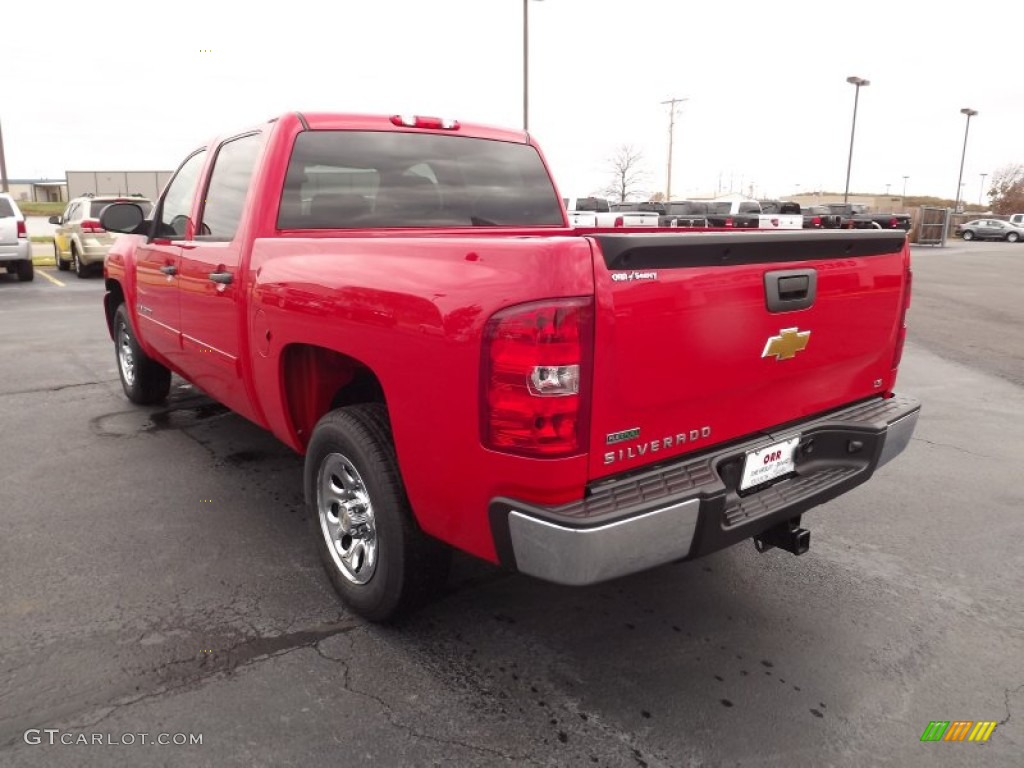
{"x":692,"y":507}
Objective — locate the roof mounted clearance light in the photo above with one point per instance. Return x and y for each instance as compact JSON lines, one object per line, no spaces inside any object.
{"x":418,"y":121}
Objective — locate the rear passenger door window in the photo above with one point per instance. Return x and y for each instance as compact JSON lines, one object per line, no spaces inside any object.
{"x":229,"y":187}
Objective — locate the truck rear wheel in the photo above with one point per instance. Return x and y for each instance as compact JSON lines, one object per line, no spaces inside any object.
{"x":144,"y":380}
{"x":378,"y":560}
{"x":26,"y":271}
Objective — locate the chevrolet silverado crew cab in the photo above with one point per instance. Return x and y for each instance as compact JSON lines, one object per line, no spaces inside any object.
{"x":403,"y":301}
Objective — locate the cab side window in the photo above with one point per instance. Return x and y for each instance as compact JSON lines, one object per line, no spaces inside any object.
{"x":176,"y":207}
{"x":229,"y":186}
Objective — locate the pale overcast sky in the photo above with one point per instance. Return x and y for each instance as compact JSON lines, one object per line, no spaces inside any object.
{"x":127,"y":85}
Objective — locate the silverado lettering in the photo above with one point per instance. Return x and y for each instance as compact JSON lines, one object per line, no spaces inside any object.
{"x":636,"y":451}
{"x":403,"y":301}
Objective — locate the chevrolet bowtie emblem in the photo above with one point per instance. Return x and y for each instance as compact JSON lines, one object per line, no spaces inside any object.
{"x":786,"y":344}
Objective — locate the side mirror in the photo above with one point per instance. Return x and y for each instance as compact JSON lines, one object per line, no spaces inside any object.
{"x":55,"y":220}
{"x":122,"y":217}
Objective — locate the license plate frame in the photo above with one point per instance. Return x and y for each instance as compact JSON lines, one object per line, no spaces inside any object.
{"x":769,"y":463}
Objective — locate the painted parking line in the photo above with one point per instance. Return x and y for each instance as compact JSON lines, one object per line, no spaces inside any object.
{"x":50,"y":278}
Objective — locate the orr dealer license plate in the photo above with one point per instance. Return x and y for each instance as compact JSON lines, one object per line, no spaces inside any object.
{"x":768,"y":463}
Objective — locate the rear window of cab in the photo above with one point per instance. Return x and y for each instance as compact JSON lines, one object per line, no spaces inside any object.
{"x":383,"y":179}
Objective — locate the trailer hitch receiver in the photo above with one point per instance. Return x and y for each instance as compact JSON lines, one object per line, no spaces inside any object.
{"x":788,"y":536}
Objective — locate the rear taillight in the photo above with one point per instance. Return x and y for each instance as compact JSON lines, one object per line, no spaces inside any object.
{"x":816,"y":221}
{"x":894,"y":224}
{"x":93,"y":226}
{"x":901,"y":335}
{"x":728,"y":222}
{"x":22,"y":232}
{"x":619,"y":222}
{"x":535,"y":393}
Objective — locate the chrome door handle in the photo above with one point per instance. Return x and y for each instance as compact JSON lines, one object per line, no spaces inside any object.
{"x":169,"y":269}
{"x":224,"y":278}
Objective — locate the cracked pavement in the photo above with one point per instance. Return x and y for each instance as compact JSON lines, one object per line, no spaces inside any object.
{"x":158,"y":578}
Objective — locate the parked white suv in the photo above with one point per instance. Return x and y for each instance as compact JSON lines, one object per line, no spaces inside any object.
{"x":15,"y":248}
{"x":1017,"y":219}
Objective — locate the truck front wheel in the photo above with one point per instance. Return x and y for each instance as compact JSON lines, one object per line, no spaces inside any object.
{"x":144,"y":380}
{"x":378,"y":560}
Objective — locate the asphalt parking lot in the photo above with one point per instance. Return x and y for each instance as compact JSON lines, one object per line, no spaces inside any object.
{"x":158,"y":578}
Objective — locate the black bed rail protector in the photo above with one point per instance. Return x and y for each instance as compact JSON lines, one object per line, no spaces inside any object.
{"x":708,"y":249}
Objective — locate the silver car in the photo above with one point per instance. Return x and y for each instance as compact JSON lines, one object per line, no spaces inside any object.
{"x":990,"y":229}
{"x":15,"y":247}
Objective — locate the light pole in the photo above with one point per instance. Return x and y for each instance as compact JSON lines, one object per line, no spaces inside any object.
{"x":970,"y":113}
{"x":857,"y":81}
{"x":887,"y":189}
{"x":981,"y":192}
{"x":526,"y":64}
{"x":903,"y":199}
{"x":3,"y":165}
{"x":671,"y":132}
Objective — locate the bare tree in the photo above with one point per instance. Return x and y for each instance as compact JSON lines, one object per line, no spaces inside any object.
{"x":1007,"y":191}
{"x":627,"y":174}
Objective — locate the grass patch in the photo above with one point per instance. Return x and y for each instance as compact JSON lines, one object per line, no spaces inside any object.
{"x":41,"y":209}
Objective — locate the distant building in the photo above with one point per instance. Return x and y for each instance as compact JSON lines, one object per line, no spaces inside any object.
{"x":146,"y":183}
{"x":38,"y":190}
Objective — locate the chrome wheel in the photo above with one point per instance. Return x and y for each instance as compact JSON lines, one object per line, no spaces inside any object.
{"x":77,"y":263}
{"x":346,"y":518}
{"x":125,"y":356}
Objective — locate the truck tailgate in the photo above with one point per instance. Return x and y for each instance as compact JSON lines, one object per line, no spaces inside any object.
{"x":639,"y":219}
{"x":706,"y":337}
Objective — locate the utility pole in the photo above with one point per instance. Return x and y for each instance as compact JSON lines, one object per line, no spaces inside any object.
{"x":3,"y":165}
{"x":981,"y":194}
{"x":671,"y":133}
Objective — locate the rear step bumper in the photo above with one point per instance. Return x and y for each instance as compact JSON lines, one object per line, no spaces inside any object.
{"x":691,"y":507}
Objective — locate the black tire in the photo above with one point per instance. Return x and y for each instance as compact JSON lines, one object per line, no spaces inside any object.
{"x":408,"y":566}
{"x":1012,"y":237}
{"x":144,"y":380}
{"x":968,"y":235}
{"x":26,"y":272}
{"x":81,"y":271}
{"x":62,"y":265}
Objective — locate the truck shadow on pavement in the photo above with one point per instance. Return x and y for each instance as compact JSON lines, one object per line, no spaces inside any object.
{"x":573,"y":664}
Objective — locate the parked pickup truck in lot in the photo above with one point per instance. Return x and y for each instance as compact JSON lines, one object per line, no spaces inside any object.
{"x":598,"y":212}
{"x":820,"y":217}
{"x":684,"y":213}
{"x":403,"y":301}
{"x":743,"y":214}
{"x":638,"y":214}
{"x":859,"y":216}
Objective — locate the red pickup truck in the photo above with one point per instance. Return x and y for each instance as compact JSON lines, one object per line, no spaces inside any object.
{"x":402,"y":300}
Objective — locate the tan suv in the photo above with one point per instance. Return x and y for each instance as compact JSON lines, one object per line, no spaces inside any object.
{"x":79,"y":241}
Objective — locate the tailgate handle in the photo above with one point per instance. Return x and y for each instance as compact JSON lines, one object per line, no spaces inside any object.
{"x":786,"y":290}
{"x":794,"y":287}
